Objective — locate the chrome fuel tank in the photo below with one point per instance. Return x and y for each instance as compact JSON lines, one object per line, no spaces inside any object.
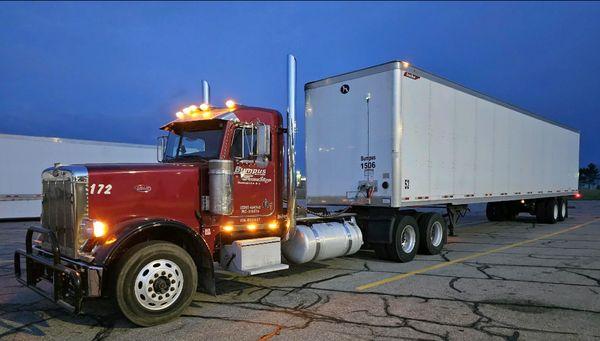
{"x":323,"y":240}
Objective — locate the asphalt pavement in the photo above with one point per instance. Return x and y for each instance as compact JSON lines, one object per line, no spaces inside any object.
{"x":507,"y":280}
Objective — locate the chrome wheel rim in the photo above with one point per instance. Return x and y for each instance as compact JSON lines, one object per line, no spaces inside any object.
{"x":409,"y":238}
{"x":555,"y":211}
{"x":158,"y":284}
{"x":563,"y":209}
{"x":437,"y":234}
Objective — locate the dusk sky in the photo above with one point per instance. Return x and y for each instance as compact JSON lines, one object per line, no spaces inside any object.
{"x":118,"y":71}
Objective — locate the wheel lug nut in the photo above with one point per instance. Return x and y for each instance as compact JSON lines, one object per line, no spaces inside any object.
{"x":155,"y":275}
{"x":170,"y":275}
{"x":150,"y":289}
{"x":172,"y":288}
{"x":163,"y":273}
{"x":151,"y":281}
{"x":160,"y":297}
{"x":153,"y":295}
{"x":172,"y":281}
{"x":167,"y":294}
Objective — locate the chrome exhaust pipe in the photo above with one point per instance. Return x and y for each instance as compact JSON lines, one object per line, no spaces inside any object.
{"x":205,"y":92}
{"x":291,"y":150}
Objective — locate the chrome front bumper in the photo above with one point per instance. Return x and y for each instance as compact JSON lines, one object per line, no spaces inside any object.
{"x":71,"y":280}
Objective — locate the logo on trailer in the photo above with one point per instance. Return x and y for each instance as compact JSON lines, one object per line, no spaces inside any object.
{"x":411,"y":75}
{"x":345,"y":89}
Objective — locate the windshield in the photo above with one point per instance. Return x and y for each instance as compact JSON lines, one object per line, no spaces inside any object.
{"x":204,"y":144}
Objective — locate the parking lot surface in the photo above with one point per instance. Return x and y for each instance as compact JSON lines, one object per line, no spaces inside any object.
{"x":507,"y":280}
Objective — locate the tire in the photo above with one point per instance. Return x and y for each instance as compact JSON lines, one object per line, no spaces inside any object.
{"x":500,"y":211}
{"x":563,"y":209}
{"x":155,"y":268}
{"x":547,"y":211}
{"x":433,"y":233}
{"x":405,"y":240}
{"x":552,"y":211}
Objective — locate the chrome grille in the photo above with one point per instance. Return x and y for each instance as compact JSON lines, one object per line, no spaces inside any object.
{"x":64,"y":205}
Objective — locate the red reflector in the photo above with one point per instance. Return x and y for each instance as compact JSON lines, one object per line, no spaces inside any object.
{"x":578,"y":195}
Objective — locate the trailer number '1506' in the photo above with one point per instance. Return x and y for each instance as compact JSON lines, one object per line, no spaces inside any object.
{"x":100,"y":188}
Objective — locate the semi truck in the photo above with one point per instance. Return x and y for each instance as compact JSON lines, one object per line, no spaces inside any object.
{"x":20,"y":188}
{"x":382,"y":144}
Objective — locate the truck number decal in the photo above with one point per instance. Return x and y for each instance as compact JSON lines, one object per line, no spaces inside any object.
{"x":367,"y":162}
{"x":368,"y":165}
{"x":100,"y":189}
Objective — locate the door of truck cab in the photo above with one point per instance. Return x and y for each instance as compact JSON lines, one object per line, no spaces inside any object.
{"x":254,"y":182}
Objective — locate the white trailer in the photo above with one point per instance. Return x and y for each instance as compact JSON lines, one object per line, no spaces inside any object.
{"x":25,"y":157}
{"x":395,"y":136}
{"x":430,"y":140}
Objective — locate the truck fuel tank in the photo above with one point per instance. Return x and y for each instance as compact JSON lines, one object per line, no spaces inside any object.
{"x":323,"y":240}
{"x":220,"y":186}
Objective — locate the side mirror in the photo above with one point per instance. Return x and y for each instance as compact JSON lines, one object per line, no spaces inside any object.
{"x":161,"y":144}
{"x":263,"y":140}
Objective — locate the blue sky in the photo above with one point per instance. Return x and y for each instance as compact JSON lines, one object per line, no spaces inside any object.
{"x":118,"y":71}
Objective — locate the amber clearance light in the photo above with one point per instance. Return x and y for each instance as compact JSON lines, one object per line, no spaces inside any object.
{"x":230,"y":104}
{"x":227,"y":228}
{"x":273,"y":225}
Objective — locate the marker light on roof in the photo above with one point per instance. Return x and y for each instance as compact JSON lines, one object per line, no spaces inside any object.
{"x":230,"y":104}
{"x":204,"y":106}
{"x":179,"y":115}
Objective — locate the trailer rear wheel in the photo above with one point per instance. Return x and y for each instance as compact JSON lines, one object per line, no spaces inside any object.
{"x":547,"y":211}
{"x":563,"y":209}
{"x":433,"y":233}
{"x":405,"y":240}
{"x":155,"y":282}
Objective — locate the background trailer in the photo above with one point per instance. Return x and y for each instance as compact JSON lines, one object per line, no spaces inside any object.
{"x":25,"y":157}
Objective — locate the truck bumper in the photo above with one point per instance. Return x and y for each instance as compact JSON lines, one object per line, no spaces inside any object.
{"x":71,"y":281}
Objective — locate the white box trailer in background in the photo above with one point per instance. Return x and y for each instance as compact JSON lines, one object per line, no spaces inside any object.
{"x":396,"y":136}
{"x":25,"y":157}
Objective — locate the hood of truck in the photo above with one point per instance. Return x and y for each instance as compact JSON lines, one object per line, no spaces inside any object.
{"x":121,"y":192}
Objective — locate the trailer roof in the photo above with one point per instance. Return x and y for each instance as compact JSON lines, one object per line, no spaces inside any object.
{"x":397,"y":64}
{"x":77,"y":141}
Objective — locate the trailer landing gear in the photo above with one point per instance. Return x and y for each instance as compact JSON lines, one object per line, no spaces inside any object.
{"x":455,"y":212}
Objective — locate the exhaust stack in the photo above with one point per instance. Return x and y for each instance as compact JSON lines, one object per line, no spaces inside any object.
{"x":205,"y":92}
{"x":291,"y":150}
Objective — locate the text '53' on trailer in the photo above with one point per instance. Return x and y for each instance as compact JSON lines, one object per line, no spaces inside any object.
{"x":380,"y":142}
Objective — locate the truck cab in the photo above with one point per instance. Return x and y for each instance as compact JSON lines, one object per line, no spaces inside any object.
{"x":252,"y":139}
{"x":152,"y":234}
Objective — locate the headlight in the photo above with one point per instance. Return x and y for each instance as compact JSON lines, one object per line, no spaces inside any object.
{"x":99,"y":229}
{"x":93,"y":228}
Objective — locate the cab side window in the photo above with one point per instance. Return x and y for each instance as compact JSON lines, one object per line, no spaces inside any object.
{"x":244,"y":144}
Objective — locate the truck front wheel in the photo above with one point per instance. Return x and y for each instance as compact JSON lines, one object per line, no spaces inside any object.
{"x":155,"y":282}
